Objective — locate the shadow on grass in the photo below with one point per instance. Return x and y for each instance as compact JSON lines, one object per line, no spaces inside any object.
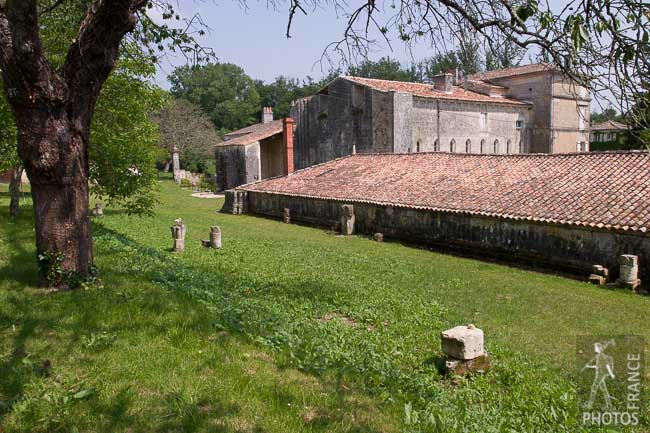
{"x":63,"y":321}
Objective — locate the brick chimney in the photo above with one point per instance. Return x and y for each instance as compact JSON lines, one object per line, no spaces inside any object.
{"x":287,"y":138}
{"x":267,"y":115}
{"x":443,"y":82}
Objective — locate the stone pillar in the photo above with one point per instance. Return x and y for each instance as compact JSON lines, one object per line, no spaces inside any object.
{"x":215,"y":237}
{"x":98,"y":211}
{"x":629,"y":271}
{"x":464,"y":348}
{"x":286,"y":215}
{"x":176,"y":165}
{"x":178,"y":234}
{"x":347,"y":220}
{"x":599,"y":275}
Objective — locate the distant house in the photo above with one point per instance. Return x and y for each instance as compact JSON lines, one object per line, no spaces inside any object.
{"x":608,"y":132}
{"x":257,"y":152}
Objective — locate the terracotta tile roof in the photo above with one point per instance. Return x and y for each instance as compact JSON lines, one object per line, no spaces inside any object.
{"x":509,"y":72}
{"x":428,"y":91}
{"x":598,"y":189}
{"x":253,"y":133}
{"x":609,"y":125}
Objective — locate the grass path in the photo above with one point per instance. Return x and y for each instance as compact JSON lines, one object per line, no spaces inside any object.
{"x":282,"y":329}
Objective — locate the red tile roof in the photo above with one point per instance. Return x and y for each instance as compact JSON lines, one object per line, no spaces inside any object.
{"x":609,"y":125}
{"x":253,"y":133}
{"x":599,"y":189}
{"x":428,"y":91}
{"x":509,"y":72}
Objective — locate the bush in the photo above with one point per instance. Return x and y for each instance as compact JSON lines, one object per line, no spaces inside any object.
{"x":208,"y":183}
{"x":185,"y":183}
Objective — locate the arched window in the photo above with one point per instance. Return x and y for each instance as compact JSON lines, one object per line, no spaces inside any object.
{"x":496,"y":146}
{"x":468,"y":146}
{"x":417,"y":146}
{"x":436,"y":146}
{"x":508,"y":144}
{"x":482,"y":146}
{"x":452,"y":145}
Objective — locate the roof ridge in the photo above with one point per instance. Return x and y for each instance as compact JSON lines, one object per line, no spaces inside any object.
{"x":507,"y":155}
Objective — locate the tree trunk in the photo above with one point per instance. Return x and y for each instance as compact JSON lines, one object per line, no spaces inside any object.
{"x":62,"y":229}
{"x":60,"y":192}
{"x":167,"y":165}
{"x":14,"y":192}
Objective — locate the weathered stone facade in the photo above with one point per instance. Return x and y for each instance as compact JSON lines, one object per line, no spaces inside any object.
{"x":560,"y":108}
{"x":254,"y":153}
{"x":349,"y":116}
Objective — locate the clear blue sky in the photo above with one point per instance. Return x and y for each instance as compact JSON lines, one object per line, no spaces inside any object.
{"x":254,"y":38}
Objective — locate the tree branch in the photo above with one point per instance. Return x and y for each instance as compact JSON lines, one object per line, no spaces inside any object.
{"x":92,"y":56}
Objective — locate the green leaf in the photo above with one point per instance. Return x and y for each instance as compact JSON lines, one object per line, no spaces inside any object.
{"x":83,"y":394}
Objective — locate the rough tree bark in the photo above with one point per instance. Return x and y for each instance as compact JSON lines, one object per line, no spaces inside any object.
{"x":53,"y":112}
{"x":14,"y":192}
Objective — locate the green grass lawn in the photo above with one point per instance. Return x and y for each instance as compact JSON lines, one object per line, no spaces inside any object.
{"x":286,"y":328}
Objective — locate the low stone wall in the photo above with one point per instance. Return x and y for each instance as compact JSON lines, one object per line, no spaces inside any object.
{"x":568,"y":248}
{"x":193,"y":178}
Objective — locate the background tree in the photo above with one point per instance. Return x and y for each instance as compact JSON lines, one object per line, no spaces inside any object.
{"x":608,"y":113}
{"x":603,"y":45}
{"x":9,"y":160}
{"x":280,"y":93}
{"x":186,"y":126}
{"x":222,"y":90}
{"x":53,"y":95}
{"x":384,"y":69}
{"x":505,"y":54}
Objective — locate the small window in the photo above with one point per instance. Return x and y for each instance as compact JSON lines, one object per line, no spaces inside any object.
{"x":468,"y":146}
{"x":521,"y":148}
{"x":417,"y":146}
{"x":582,"y":146}
{"x":496,"y":146}
{"x":482,"y":146}
{"x":436,"y":146}
{"x":484,"y":122}
{"x":452,"y":146}
{"x":519,"y":124}
{"x":508,"y":145}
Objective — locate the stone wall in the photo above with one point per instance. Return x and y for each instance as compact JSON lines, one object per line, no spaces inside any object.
{"x":444,"y":121}
{"x":329,"y":125}
{"x":237,"y":165}
{"x":554,"y":118}
{"x":373,"y":121}
{"x":572,"y":249}
{"x":230,"y":167}
{"x":272,"y":157}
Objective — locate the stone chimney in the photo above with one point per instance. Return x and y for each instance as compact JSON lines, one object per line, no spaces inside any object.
{"x":443,"y":82}
{"x":267,"y":115}
{"x":287,"y":138}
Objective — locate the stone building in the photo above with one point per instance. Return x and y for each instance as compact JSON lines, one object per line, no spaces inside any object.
{"x":259,"y":151}
{"x":569,"y":211}
{"x":560,"y":114}
{"x":608,"y":131}
{"x":527,"y":109}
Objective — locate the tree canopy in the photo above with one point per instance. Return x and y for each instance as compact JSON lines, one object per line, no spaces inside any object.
{"x":222,"y":90}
